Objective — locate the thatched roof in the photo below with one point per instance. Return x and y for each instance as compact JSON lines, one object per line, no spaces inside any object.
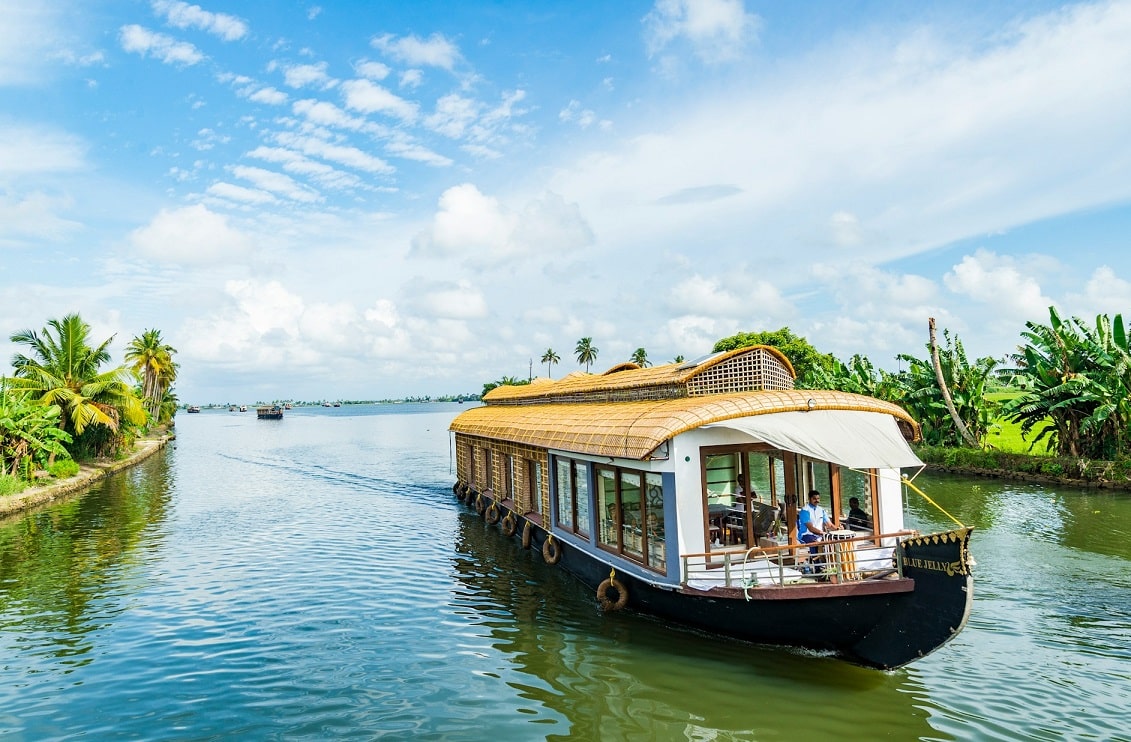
{"x":634,"y":429}
{"x":755,"y":368}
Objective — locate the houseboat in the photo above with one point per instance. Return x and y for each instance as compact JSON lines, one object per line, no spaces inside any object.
{"x":677,"y":490}
{"x":269,"y":412}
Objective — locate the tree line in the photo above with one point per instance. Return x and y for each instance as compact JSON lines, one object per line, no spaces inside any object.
{"x":1070,"y":379}
{"x":63,"y":404}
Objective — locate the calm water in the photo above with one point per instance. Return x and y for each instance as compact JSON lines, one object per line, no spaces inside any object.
{"x":313,"y":578}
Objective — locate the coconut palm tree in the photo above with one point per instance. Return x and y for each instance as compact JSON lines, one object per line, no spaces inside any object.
{"x":585,"y":352}
{"x":640,"y":358}
{"x":152,"y":361}
{"x":548,"y":358}
{"x":64,"y":370}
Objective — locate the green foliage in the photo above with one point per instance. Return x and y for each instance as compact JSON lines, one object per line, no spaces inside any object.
{"x":640,"y":358}
{"x":1077,"y":386}
{"x":586,"y":352}
{"x":505,"y":381}
{"x":152,"y":361}
{"x":807,"y":361}
{"x":63,"y":468}
{"x":549,"y":358}
{"x":10,"y":485}
{"x":29,"y":432}
{"x":98,"y":407}
{"x":918,"y":391}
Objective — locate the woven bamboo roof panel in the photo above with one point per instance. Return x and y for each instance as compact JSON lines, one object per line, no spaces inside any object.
{"x":756,"y":368}
{"x":633,"y":430}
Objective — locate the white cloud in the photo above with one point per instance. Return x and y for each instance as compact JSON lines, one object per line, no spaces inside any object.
{"x":1104,"y":293}
{"x":191,"y":235}
{"x":268,"y":95}
{"x":33,"y":218}
{"x":453,"y":115}
{"x":999,"y":284}
{"x":277,"y":183}
{"x":435,"y":51}
{"x":846,"y":229}
{"x":411,"y":78}
{"x":26,"y":150}
{"x":718,"y":30}
{"x":183,"y":15}
{"x":301,"y":75}
{"x":475,"y":226}
{"x":368,"y":97}
{"x":341,"y":154}
{"x":134,"y":38}
{"x":446,"y":300}
{"x":327,"y":114}
{"x":574,"y":112}
{"x":372,"y":70}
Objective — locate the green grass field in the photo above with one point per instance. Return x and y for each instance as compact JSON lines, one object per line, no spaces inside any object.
{"x":1006,"y":436}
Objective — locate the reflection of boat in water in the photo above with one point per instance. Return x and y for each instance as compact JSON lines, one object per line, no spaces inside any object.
{"x":269,"y":412}
{"x":633,"y":480}
{"x":193,"y":408}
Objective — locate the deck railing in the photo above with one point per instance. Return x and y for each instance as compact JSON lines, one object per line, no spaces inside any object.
{"x":833,"y":560}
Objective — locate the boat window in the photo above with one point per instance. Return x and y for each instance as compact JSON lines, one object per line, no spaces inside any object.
{"x":581,"y":497}
{"x":489,"y":468}
{"x":472,"y":453}
{"x":721,"y":473}
{"x":508,"y":477}
{"x":534,"y":486}
{"x":565,"y":494}
{"x":573,"y":496}
{"x":630,"y":515}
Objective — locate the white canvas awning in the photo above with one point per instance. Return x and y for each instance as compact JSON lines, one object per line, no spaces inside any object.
{"x":859,"y":440}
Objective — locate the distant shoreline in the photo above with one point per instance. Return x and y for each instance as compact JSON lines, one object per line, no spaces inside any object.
{"x":89,"y":474}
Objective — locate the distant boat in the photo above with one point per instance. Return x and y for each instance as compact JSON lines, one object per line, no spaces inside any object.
{"x":243,"y":408}
{"x":326,"y":404}
{"x":288,"y":406}
{"x":269,"y":412}
{"x":193,"y":408}
{"x":337,"y":404}
{"x":232,"y":408}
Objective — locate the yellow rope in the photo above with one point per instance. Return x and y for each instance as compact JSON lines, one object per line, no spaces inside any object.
{"x":908,"y":482}
{"x":612,"y":575}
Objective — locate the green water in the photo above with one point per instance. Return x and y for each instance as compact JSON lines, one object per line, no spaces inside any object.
{"x":314,"y":578}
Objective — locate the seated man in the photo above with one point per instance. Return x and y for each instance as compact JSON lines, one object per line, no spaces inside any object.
{"x":857,"y":519}
{"x":812,"y":521}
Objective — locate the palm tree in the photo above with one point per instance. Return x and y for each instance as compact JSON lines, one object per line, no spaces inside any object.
{"x":152,"y":361}
{"x":585,"y":352}
{"x":678,"y":359}
{"x":64,"y":370}
{"x":550,"y":357}
{"x":640,"y":358}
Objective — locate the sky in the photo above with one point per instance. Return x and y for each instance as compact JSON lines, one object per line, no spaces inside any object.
{"x":376,"y":200}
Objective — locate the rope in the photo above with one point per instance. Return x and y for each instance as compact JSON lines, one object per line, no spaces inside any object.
{"x":908,"y":482}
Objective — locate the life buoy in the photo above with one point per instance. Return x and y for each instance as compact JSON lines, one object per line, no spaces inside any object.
{"x":480,"y":504}
{"x":603,"y":595}
{"x":527,"y":535}
{"x":492,"y":514}
{"x":510,"y":524}
{"x":551,"y":552}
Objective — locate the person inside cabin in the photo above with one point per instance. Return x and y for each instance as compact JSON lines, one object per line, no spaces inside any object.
{"x":812,"y":521}
{"x":858,"y":520}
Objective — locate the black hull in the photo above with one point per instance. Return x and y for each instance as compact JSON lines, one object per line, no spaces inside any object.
{"x":882,"y":624}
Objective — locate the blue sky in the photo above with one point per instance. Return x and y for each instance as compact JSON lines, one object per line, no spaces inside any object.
{"x":380,"y":199}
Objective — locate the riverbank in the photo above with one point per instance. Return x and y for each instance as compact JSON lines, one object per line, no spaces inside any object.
{"x":89,"y":473}
{"x":1071,"y":472}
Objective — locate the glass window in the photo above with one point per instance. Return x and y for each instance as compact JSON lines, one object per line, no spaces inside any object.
{"x":632,"y":518}
{"x":489,"y":469}
{"x":534,"y":486}
{"x":581,"y":497}
{"x":654,"y":523}
{"x":722,"y":473}
{"x":565,"y":494}
{"x":608,"y":516}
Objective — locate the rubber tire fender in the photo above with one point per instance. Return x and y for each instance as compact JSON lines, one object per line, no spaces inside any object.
{"x":492,"y":514}
{"x":551,"y":551}
{"x":510,"y":524}
{"x":603,"y":595}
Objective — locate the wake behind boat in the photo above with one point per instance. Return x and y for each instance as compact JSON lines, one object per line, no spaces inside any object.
{"x":678,"y":490}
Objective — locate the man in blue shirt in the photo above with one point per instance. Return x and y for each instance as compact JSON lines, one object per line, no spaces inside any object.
{"x":812,"y":520}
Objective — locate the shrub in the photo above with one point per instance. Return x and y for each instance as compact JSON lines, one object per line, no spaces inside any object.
{"x":10,"y":485}
{"x":64,"y":468}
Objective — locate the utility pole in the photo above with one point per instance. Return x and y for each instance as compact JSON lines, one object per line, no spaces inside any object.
{"x":530,"y":373}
